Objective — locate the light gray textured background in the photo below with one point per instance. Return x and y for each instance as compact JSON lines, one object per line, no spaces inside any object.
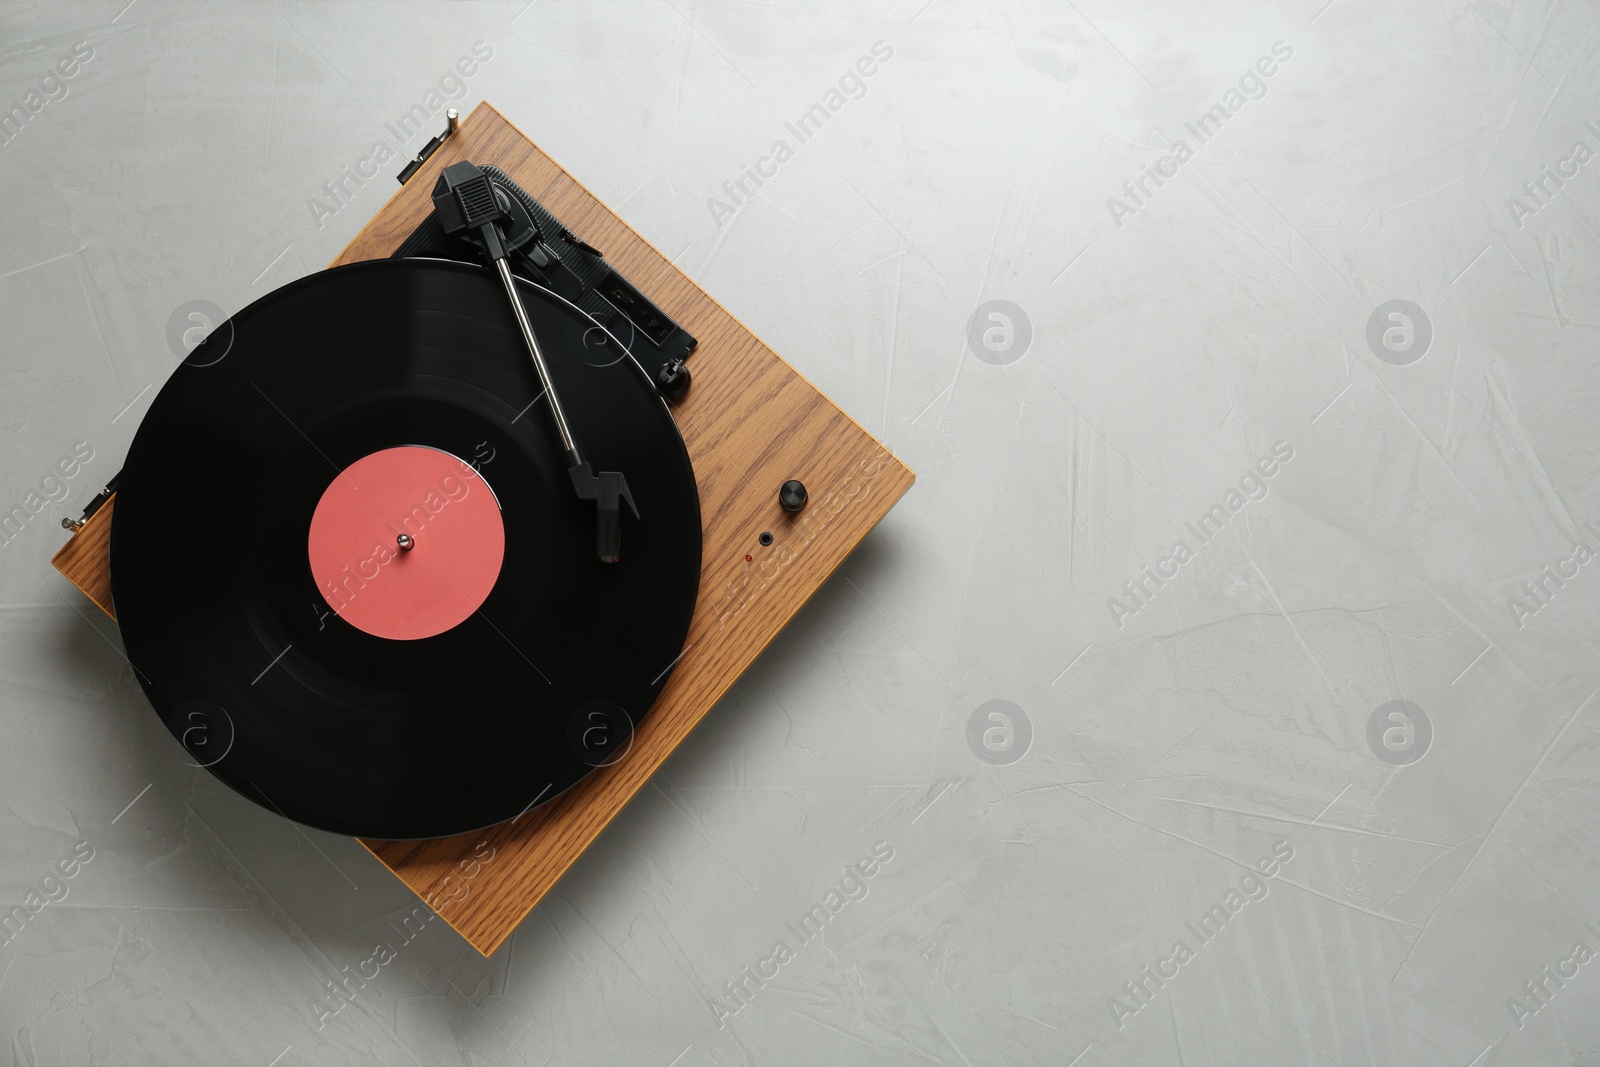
{"x":1174,"y":341}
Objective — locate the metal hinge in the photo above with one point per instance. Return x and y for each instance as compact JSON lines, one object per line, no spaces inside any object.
{"x":69,"y":523}
{"x":453,"y":120}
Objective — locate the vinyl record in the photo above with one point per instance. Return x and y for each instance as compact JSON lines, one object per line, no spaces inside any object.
{"x":413,"y":692}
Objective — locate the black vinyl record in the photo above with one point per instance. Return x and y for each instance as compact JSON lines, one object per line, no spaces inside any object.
{"x":289,"y":704}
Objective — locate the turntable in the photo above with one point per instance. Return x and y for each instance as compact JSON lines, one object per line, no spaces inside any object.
{"x":514,"y":502}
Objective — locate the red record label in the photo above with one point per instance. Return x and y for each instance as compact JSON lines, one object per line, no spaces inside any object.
{"x":406,"y":543}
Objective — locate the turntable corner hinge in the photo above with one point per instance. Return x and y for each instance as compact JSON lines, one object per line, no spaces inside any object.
{"x":453,"y":123}
{"x":69,"y":523}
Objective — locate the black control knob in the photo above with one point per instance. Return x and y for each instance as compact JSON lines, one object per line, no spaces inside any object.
{"x":673,"y":379}
{"x":792,"y":496}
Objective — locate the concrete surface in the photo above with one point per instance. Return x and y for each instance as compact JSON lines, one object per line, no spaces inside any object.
{"x":1372,"y":670}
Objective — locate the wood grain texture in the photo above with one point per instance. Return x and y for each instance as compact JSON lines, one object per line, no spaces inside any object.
{"x":86,"y":559}
{"x":750,"y":422}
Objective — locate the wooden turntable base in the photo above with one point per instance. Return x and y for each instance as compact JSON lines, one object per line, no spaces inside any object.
{"x":750,"y":422}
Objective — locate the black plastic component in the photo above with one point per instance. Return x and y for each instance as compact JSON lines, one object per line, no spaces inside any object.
{"x":518,"y":226}
{"x":792,"y":496}
{"x":765,"y":538}
{"x":466,"y":205}
{"x":421,"y":158}
{"x":578,"y":242}
{"x":608,"y":490}
{"x":545,"y":251}
{"x":428,"y":149}
{"x":68,"y":523}
{"x":632,"y":303}
{"x":673,"y":379}
{"x":102,"y":496}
